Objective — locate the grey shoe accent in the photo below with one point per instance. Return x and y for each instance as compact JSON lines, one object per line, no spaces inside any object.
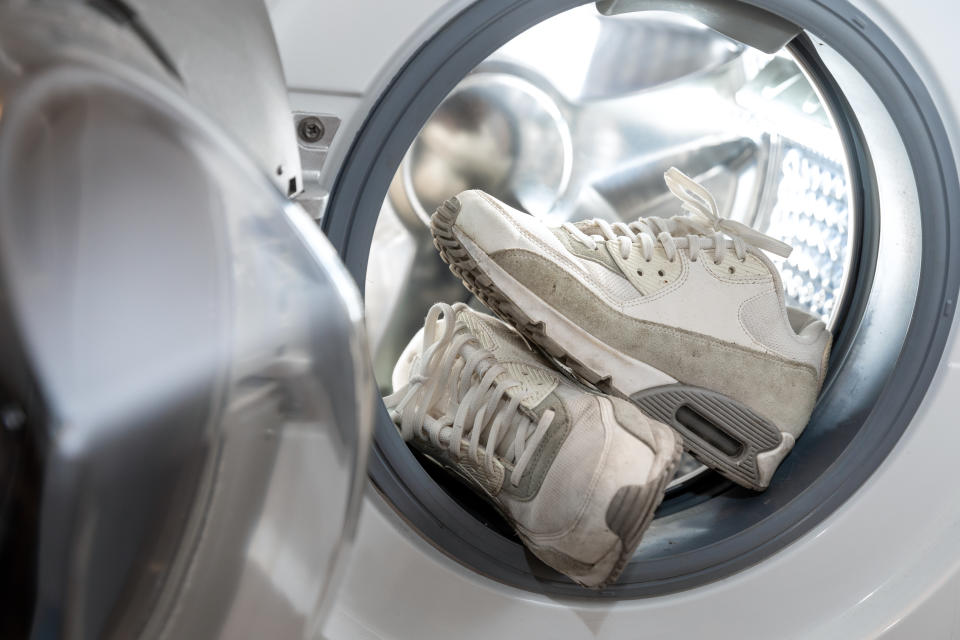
{"x":546,"y":451}
{"x":719,"y":431}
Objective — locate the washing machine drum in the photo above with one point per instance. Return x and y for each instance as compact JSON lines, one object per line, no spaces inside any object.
{"x":800,"y":123}
{"x":181,"y":386}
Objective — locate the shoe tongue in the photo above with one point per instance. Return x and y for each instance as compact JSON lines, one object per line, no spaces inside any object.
{"x":510,"y":352}
{"x":508,"y":424}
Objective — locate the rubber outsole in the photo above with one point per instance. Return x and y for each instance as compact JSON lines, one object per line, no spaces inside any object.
{"x":722,"y":433}
{"x":728,"y":437}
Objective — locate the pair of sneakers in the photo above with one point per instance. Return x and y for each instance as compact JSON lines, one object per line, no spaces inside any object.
{"x":678,"y":326}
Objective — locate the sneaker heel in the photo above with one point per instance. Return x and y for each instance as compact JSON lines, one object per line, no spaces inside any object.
{"x":721,"y":432}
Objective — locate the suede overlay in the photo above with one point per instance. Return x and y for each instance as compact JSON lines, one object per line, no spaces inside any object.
{"x":778,"y":389}
{"x":546,"y":451}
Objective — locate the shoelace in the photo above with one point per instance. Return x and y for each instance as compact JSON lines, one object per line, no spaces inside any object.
{"x":458,"y":378}
{"x":703,"y":221}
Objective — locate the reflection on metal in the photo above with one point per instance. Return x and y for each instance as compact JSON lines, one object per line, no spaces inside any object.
{"x":811,"y":214}
{"x":636,"y":190}
{"x":585,"y":57}
{"x":188,"y":355}
{"x":494,"y":132}
{"x":634,"y":95}
{"x":408,"y":297}
{"x":745,"y":23}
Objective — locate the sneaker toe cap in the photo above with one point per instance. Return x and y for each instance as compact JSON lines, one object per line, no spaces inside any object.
{"x":494,"y":226}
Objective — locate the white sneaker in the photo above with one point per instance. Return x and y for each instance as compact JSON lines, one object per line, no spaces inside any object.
{"x":578,"y":474}
{"x":685,"y":316}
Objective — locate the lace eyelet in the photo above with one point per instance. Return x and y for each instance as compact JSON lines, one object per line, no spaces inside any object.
{"x":660,"y":273}
{"x":639,"y":272}
{"x":731,"y":269}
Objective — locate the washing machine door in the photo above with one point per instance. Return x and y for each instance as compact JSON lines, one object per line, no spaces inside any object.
{"x":184,"y":401}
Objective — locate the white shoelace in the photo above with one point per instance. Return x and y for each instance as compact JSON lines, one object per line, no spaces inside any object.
{"x":457,"y":379}
{"x":685,"y":231}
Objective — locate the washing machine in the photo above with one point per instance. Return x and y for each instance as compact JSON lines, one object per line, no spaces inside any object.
{"x":830,"y":124}
{"x":213,"y":246}
{"x":185,"y":397}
